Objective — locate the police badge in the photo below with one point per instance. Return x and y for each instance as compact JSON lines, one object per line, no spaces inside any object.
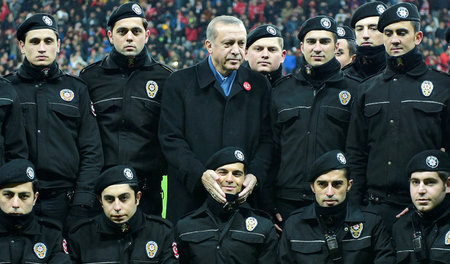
{"x":30,"y":173}
{"x":340,"y":31}
{"x":427,"y":88}
{"x":66,"y":94}
{"x":128,"y":174}
{"x":251,"y":223}
{"x":151,"y":248}
{"x":356,"y":230}
{"x":152,"y":89}
{"x":380,"y":9}
{"x":325,"y":22}
{"x":48,"y":21}
{"x":344,"y":97}
{"x":40,"y":249}
{"x":432,"y":162}
{"x":239,"y":155}
{"x":447,"y":238}
{"x":402,"y":12}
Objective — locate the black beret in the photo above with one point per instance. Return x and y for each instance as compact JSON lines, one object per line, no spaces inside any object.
{"x":447,"y":35}
{"x":317,"y":23}
{"x":397,"y":13}
{"x":345,"y":32}
{"x":17,"y":171}
{"x":130,"y":9}
{"x":37,"y":21}
{"x":429,"y":160}
{"x":263,"y":31}
{"x":119,"y":174}
{"x":368,"y":10}
{"x":332,"y":160}
{"x":225,"y":156}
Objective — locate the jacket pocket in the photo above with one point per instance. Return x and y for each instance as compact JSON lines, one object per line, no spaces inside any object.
{"x":288,"y":116}
{"x":428,"y":108}
{"x":197,"y":237}
{"x":105,"y":106}
{"x":307,"y":247}
{"x":65,"y":110}
{"x":5,"y":104}
{"x":247,"y":237}
{"x":371,"y":110}
{"x":341,"y":115}
{"x":356,"y":244}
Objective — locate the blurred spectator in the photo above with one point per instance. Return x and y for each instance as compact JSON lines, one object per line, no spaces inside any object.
{"x":179,"y":26}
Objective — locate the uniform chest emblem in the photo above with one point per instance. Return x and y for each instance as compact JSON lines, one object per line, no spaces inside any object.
{"x":447,"y":238}
{"x":251,"y":223}
{"x":66,"y":94}
{"x":345,"y":97}
{"x":152,"y":248}
{"x":356,"y":230}
{"x":40,"y":249}
{"x":427,"y":88}
{"x":152,"y":89}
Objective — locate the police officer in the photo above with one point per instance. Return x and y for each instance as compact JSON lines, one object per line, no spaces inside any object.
{"x":333,"y":230}
{"x":423,"y":234}
{"x":12,"y":133}
{"x":207,"y":106}
{"x":25,"y":238}
{"x":264,"y":52}
{"x":370,"y":53}
{"x":346,"y":46}
{"x":402,"y":112}
{"x":62,"y":133}
{"x":123,"y":233}
{"x":230,"y":232}
{"x":310,"y":114}
{"x":126,"y":91}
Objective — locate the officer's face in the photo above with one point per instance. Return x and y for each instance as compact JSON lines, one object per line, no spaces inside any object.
{"x":119,"y":202}
{"x":367,"y":34}
{"x":399,"y":38}
{"x":318,"y":47}
{"x":17,"y":199}
{"x":231,"y":177}
{"x":40,"y":47}
{"x":342,"y":54}
{"x":228,"y":49}
{"x":427,"y":190}
{"x":331,"y":188}
{"x":265,"y":55}
{"x":129,"y":36}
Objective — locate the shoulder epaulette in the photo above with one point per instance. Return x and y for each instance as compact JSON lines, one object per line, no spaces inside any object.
{"x":282,"y":79}
{"x":297,"y":211}
{"x":81,"y":223}
{"x":50,"y":222}
{"x":166,"y":67}
{"x":158,"y":219}
{"x":76,"y":78}
{"x":441,"y":72}
{"x":90,"y":66}
{"x":262,"y":213}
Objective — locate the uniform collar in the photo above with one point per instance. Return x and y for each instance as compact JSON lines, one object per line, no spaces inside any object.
{"x":353,"y":214}
{"x":109,"y":64}
{"x":326,"y":73}
{"x":134,"y":224}
{"x":24,"y":224}
{"x":30,"y":72}
{"x":410,"y":63}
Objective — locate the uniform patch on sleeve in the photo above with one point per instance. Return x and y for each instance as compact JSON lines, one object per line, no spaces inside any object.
{"x":175,"y":250}
{"x":64,"y":246}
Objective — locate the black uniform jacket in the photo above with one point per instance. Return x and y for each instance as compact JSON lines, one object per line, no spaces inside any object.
{"x":247,"y":237}
{"x":146,"y":239}
{"x":362,"y":239}
{"x":197,"y":120}
{"x":306,"y":123}
{"x":127,"y":109}
{"x":397,"y":116}
{"x":13,"y":142}
{"x":62,"y":134}
{"x":437,"y":239}
{"x":37,"y":241}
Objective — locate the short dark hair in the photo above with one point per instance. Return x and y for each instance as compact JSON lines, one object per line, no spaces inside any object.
{"x":351,"y":44}
{"x":416,"y":26}
{"x":443,"y":175}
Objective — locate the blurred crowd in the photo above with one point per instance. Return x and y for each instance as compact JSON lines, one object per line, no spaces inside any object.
{"x":178,"y":27}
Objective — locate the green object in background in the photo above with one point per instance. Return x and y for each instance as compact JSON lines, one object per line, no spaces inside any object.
{"x":164,"y":195}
